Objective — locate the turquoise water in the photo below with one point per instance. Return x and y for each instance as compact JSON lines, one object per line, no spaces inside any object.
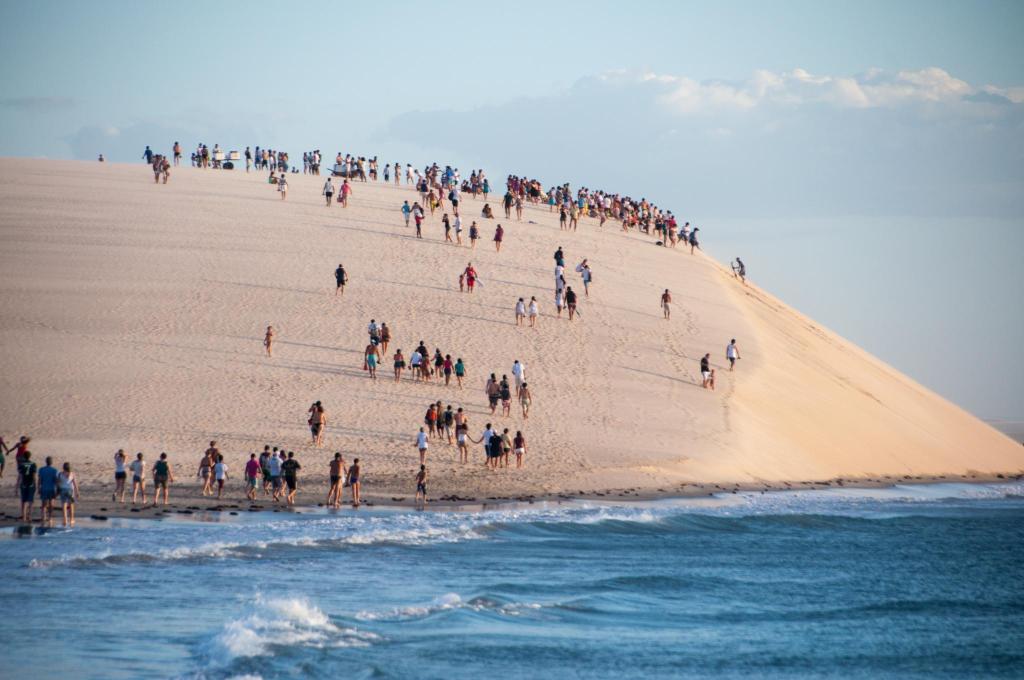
{"x":903,"y":582}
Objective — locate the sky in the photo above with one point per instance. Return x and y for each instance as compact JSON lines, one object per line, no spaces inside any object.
{"x":866,"y":159}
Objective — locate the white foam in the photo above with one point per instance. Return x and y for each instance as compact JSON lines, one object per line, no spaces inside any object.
{"x":278,"y":622}
{"x":448,"y":601}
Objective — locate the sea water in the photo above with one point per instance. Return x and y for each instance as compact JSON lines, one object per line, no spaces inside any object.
{"x":910,"y":581}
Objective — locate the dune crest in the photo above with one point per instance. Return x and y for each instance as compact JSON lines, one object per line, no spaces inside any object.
{"x":132,"y":317}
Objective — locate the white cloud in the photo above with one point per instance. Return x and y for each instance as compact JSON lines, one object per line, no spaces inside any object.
{"x":872,"y":89}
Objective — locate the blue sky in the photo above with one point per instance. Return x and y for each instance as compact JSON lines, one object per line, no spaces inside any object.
{"x":859,"y":130}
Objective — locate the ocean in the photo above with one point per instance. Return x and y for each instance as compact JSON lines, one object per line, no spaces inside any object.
{"x":924,"y":581}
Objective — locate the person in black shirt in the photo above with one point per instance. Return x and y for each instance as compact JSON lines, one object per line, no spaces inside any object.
{"x":707,"y":374}
{"x":570,"y":301}
{"x":290,"y":470}
{"x":27,"y":485}
{"x":340,"y":278}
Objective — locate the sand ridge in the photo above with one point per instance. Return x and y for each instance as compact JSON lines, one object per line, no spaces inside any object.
{"x":132,"y":317}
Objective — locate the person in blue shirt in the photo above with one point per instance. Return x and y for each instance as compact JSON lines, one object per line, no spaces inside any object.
{"x":148,"y":155}
{"x":47,"y":489}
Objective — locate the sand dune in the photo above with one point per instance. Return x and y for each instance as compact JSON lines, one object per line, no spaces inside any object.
{"x":132,"y":315}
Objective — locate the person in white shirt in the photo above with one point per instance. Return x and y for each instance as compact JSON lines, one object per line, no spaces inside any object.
{"x":421,"y":444}
{"x":328,"y":191}
{"x":138,"y":468}
{"x":520,"y":312}
{"x":533,"y":312}
{"x":732,"y":353}
{"x":519,"y":372}
{"x":220,"y":474}
{"x":120,"y":475}
{"x":458,"y":229}
{"x":485,"y":439}
{"x":274,"y":465}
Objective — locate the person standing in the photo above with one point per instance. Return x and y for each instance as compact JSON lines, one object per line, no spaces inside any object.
{"x":525,"y":399}
{"x":666,"y":302}
{"x":47,"y":476}
{"x":460,"y":371}
{"x":519,"y":374}
{"x":220,"y":474}
{"x":355,"y":482}
{"x":533,"y":311}
{"x":274,"y":467}
{"x":406,"y":212}
{"x":67,"y":484}
{"x":138,"y":468}
{"x":346,"y":191}
{"x":27,"y":483}
{"x":421,"y":444}
{"x":421,"y":486}
{"x":520,"y":312}
{"x":732,"y":353}
{"x":120,"y":475}
{"x":519,"y":446}
{"x":163,"y":476}
{"x":499,"y":234}
{"x":248,"y":159}
{"x":338,"y":473}
{"x":328,"y":191}
{"x":290,"y":469}
{"x":268,"y":341}
{"x":252,"y":474}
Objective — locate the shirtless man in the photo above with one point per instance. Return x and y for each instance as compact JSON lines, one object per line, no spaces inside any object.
{"x":372,"y":357}
{"x":354,"y":482}
{"x":338,"y":472}
{"x":421,"y":486}
{"x":268,"y":341}
{"x":666,"y":301}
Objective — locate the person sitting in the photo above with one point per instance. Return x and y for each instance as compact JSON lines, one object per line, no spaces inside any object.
{"x":487,"y":212}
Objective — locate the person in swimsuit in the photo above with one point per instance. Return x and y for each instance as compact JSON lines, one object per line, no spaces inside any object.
{"x":338,"y":474}
{"x":666,"y":302}
{"x":354,"y":477}
{"x":493,"y":392}
{"x":206,"y":468}
{"x":525,"y":399}
{"x":421,"y":486}
{"x":519,"y":447}
{"x":268,"y":341}
{"x":399,"y":365}
{"x":371,"y":356}
{"x":120,"y":475}
{"x":319,"y":425}
{"x":162,"y":477}
{"x":385,"y":337}
{"x":506,"y":447}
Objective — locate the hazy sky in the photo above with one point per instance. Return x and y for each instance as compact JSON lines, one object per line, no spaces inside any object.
{"x":865,"y":158}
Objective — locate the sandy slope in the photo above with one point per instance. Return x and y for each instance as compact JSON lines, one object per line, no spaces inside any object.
{"x":131,"y":316}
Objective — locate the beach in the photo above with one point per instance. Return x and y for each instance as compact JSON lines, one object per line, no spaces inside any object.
{"x":132,"y":317}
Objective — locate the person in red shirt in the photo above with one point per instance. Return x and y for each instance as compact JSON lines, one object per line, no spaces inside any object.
{"x":252,"y":473}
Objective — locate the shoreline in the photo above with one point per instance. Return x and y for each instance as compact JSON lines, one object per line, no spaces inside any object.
{"x":94,"y":512}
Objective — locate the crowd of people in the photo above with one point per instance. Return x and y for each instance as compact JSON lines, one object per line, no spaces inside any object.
{"x":277,"y":471}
